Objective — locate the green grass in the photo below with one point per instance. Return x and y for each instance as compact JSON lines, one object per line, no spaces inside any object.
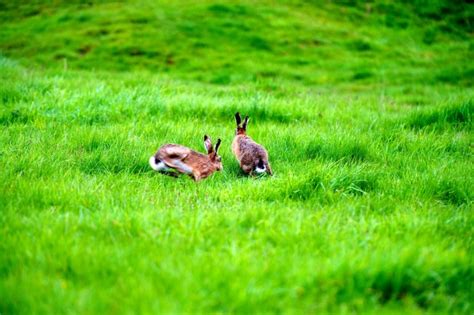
{"x":365,"y":109}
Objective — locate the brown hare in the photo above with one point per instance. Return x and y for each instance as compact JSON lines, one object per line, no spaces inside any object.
{"x":186,"y":161}
{"x":253,"y":158}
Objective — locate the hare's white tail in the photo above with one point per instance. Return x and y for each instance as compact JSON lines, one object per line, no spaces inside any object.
{"x":261,"y":167}
{"x":157,"y":165}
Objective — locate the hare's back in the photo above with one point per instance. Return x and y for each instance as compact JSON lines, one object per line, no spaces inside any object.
{"x":174,"y":151}
{"x":250,"y":148}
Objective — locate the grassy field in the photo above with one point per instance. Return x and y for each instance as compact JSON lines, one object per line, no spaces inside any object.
{"x":366,"y":111}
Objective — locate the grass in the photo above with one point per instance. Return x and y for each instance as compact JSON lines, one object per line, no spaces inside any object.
{"x":365,"y":109}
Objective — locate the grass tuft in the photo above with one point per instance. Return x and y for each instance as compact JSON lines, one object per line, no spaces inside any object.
{"x":347,"y":150}
{"x":457,"y":193}
{"x":452,"y":115}
{"x":356,"y":181}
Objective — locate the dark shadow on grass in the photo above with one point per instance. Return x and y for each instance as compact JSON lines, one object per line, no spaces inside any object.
{"x":345,"y":151}
{"x":455,"y":193}
{"x":354,"y":182}
{"x":459,"y":115}
{"x":303,"y":190}
{"x":389,"y":282}
{"x":103,"y":164}
{"x":233,"y":10}
{"x":320,"y":185}
{"x":15,"y":116}
{"x":256,"y":113}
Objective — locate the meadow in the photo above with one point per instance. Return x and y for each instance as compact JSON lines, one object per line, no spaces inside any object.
{"x":365,"y":109}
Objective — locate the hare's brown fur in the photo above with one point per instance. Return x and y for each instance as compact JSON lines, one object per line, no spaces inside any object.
{"x":187,"y":161}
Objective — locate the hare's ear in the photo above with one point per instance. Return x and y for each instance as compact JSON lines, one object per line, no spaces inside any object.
{"x":218,"y":145}
{"x":208,"y":144}
{"x":246,"y":121}
{"x":238,"y":120}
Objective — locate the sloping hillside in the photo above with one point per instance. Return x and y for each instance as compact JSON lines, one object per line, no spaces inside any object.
{"x":221,"y":42}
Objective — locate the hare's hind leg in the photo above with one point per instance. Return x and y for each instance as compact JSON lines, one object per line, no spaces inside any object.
{"x":196,"y":175}
{"x":269,"y":169}
{"x":160,"y":166}
{"x":246,"y":168}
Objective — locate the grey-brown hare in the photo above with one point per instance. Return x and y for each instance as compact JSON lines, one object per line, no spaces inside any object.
{"x":252,"y":157}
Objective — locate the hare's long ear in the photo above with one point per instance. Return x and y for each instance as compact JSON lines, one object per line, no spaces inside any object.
{"x":246,"y":121}
{"x":218,"y":144}
{"x":238,"y":120}
{"x":208,"y":144}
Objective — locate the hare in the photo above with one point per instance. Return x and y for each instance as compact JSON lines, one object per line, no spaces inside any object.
{"x":253,"y":158}
{"x":186,"y":161}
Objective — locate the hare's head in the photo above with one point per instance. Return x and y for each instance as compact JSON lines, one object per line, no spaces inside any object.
{"x":241,"y":130}
{"x":212,"y":152}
